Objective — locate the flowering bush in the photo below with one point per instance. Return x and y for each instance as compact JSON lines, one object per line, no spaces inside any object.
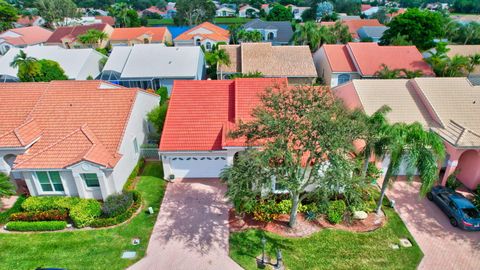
{"x":48,"y":215}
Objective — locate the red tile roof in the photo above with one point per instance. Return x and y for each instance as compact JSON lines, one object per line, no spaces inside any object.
{"x":367,"y":58}
{"x":354,"y":25}
{"x":67,"y":122}
{"x":26,"y":20}
{"x":217,"y":33}
{"x":106,"y":19}
{"x":157,"y":33}
{"x":366,"y":7}
{"x":201,"y":112}
{"x":73,"y":31}
{"x":30,"y":35}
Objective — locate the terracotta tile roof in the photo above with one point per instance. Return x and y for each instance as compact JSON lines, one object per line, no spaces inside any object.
{"x":465,"y":50}
{"x":26,"y":20}
{"x":366,"y":7}
{"x":201,"y":112}
{"x":339,"y":58}
{"x":398,"y":12}
{"x":68,"y":121}
{"x":212,"y":32}
{"x":157,"y":33}
{"x":271,"y":61}
{"x":106,"y":19}
{"x":354,"y":25}
{"x":73,"y":31}
{"x":30,"y":35}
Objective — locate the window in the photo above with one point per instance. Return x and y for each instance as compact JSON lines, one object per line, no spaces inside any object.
{"x":91,"y":179}
{"x":50,"y":181}
{"x":198,"y":42}
{"x":135,"y":145}
{"x":270,"y":36}
{"x":209,"y":46}
{"x":343,"y":78}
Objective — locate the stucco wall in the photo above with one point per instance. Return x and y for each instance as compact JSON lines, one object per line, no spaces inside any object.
{"x":469,"y":169}
{"x":323,"y":67}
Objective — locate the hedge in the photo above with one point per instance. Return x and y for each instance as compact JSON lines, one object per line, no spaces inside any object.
{"x":85,"y":212}
{"x":40,"y":216}
{"x":117,"y":204}
{"x":17,"y":207}
{"x":105,"y":222}
{"x":131,"y":178}
{"x":36,"y":226}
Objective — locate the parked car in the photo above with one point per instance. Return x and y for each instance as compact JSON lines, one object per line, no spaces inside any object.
{"x":461,"y":212}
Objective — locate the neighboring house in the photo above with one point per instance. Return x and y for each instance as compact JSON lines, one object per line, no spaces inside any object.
{"x":168,"y":13}
{"x":292,"y":62}
{"x":72,"y":138}
{"x":448,"y":106}
{"x":23,"y":37}
{"x":87,"y":20}
{"x":205,"y":34}
{"x":106,"y":19}
{"x":265,"y":7}
{"x":140,"y":35}
{"x":372,"y":33}
{"x":150,"y":66}
{"x":67,"y":36}
{"x":278,"y":33}
{"x":195,"y":142}
{"x":297,"y":11}
{"x":340,"y":63}
{"x":354,"y":25}
{"x":78,"y":64}
{"x":225,"y":12}
{"x":247,"y":11}
{"x":29,"y":21}
{"x":369,"y":11}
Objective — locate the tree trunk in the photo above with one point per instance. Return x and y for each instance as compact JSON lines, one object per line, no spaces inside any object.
{"x":386,"y":179}
{"x":293,"y":213}
{"x":365,"y":166}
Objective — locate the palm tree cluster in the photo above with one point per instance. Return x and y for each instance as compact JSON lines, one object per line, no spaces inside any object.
{"x":249,"y":36}
{"x":462,"y":33}
{"x":28,"y":67}
{"x":313,"y":35}
{"x":386,"y":73}
{"x":93,"y":37}
{"x":456,"y":66}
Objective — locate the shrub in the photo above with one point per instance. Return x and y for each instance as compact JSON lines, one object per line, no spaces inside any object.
{"x":476,"y":198}
{"x":285,"y":206}
{"x":104,"y":222}
{"x":117,"y":204}
{"x":138,"y":168}
{"x":452,"y":182}
{"x":265,"y":210}
{"x":17,"y":207}
{"x":36,"y":204}
{"x":36,"y":226}
{"x":85,"y":212}
{"x":336,"y":210}
{"x":40,"y":216}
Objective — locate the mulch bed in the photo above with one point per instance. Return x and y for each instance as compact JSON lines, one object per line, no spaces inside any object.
{"x":303,"y":227}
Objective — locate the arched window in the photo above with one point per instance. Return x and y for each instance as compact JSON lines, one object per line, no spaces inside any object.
{"x":343,"y":78}
{"x":270,"y":36}
{"x":146,"y":41}
{"x":198,"y":42}
{"x":208,"y":45}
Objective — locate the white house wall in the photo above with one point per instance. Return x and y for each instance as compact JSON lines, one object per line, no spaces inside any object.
{"x":136,"y":128}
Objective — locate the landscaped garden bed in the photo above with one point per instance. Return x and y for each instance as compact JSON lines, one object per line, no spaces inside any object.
{"x":89,"y":248}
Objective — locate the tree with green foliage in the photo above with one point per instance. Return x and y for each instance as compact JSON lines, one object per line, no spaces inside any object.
{"x":456,"y":66}
{"x":420,"y":150}
{"x":163,"y":93}
{"x":351,"y":7}
{"x":380,"y":15}
{"x":193,"y":12}
{"x":306,"y":136}
{"x":6,"y":187}
{"x":323,"y":9}
{"x":340,"y":33}
{"x":28,"y":67}
{"x":8,"y":15}
{"x":249,"y":36}
{"x":466,"y":6}
{"x":132,"y":18}
{"x":93,"y":37}
{"x":49,"y":71}
{"x":279,"y":13}
{"x":234,"y":29}
{"x":420,"y":27}
{"x":56,"y":11}
{"x":314,"y":36}
{"x":386,"y":73}
{"x":400,"y":40}
{"x":157,"y":116}
{"x":253,"y":74}
{"x":124,"y":15}
{"x":221,"y":57}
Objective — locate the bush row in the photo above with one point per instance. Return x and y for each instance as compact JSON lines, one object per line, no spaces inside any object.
{"x":17,"y":207}
{"x":129,"y":183}
{"x":105,"y":222}
{"x":117,"y":204}
{"x":36,"y":226}
{"x":48,"y":215}
{"x":269,"y":210}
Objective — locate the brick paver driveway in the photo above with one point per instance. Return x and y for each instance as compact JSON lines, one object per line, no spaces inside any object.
{"x":444,"y":246}
{"x":191,"y":231}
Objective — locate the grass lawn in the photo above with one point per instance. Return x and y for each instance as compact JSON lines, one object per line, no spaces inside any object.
{"x":231,"y":20}
{"x":151,"y":22}
{"x":332,"y":249}
{"x":91,"y":249}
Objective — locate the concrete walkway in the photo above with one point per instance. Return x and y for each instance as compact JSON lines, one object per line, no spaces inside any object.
{"x":191,"y":231}
{"x":444,"y":246}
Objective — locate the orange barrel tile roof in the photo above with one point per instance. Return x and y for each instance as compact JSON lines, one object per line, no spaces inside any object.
{"x":217,"y":33}
{"x":157,"y":33}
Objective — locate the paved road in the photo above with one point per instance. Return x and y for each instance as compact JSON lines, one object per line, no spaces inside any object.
{"x":444,"y":246}
{"x":191,"y":231}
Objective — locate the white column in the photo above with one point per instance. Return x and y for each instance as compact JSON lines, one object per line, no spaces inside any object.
{"x":103,"y":185}
{"x":79,"y":184}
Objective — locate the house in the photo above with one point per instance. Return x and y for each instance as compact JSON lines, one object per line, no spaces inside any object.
{"x":368,"y":11}
{"x":106,"y":19}
{"x":72,"y":138}
{"x":248,"y":11}
{"x":225,"y":12}
{"x":78,"y":64}
{"x":150,"y":66}
{"x":297,"y":11}
{"x":67,"y":36}
{"x":23,"y":37}
{"x":278,"y":33}
{"x":24,"y":21}
{"x":371,"y":33}
{"x":167,"y":13}
{"x":354,"y":25}
{"x":205,"y":34}
{"x":447,"y":106}
{"x":292,"y":62}
{"x":140,"y":35}
{"x":340,"y":63}
{"x":194,"y":141}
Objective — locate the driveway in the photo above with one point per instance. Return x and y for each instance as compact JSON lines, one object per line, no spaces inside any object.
{"x":192,"y":230}
{"x":444,"y":246}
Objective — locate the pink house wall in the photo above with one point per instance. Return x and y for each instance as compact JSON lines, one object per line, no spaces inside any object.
{"x":469,"y":169}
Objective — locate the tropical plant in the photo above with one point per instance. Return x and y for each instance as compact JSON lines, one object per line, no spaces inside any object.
{"x":120,"y":11}
{"x":28,"y":67}
{"x":49,"y":71}
{"x":221,"y":58}
{"x":93,"y":37}
{"x":253,"y":74}
{"x":193,"y":12}
{"x":386,"y":73}
{"x":157,"y":117}
{"x":456,"y":66}
{"x":8,"y":15}
{"x":418,"y":149}
{"x":400,"y":40}
{"x":249,"y":36}
{"x":324,"y":8}
{"x":55,"y":12}
{"x":279,"y":13}
{"x":6,"y":187}
{"x":307,"y":34}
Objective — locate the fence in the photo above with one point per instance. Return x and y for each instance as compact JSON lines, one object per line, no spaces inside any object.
{"x":149,"y":153}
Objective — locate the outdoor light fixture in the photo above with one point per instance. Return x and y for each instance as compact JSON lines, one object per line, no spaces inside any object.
{"x":264,"y":242}
{"x":279,"y":264}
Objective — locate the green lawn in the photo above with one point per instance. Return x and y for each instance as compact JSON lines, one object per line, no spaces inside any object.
{"x":231,"y":20}
{"x":95,"y":249}
{"x":151,"y":22}
{"x":332,"y":249}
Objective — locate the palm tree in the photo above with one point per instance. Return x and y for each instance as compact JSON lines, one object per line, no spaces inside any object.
{"x":26,"y":65}
{"x":6,"y":187}
{"x":120,"y":11}
{"x":307,"y":34}
{"x":474,"y":62}
{"x":410,"y":74}
{"x":249,"y":36}
{"x":386,"y":73}
{"x":93,"y":37}
{"x":222,"y":58}
{"x":421,"y":151}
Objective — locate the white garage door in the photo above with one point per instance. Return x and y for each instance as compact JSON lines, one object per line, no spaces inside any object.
{"x":197,"y":167}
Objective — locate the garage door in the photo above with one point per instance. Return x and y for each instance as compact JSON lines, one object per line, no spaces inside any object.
{"x":197,"y":167}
